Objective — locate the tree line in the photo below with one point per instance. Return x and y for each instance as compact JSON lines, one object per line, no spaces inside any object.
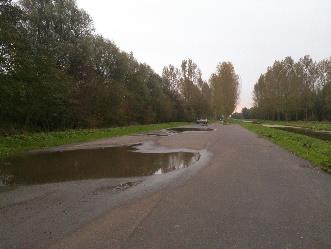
{"x":293,"y":90}
{"x":57,"y":73}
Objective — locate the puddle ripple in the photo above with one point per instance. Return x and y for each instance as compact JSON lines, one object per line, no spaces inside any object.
{"x":124,"y":161}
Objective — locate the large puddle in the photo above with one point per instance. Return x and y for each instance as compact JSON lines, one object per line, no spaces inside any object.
{"x":172,"y":131}
{"x":124,"y":161}
{"x":183,"y":129}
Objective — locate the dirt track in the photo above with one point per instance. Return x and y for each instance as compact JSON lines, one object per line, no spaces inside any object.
{"x":244,"y":193}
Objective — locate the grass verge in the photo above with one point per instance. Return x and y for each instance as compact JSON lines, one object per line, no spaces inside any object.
{"x":314,"y":150}
{"x":314,"y":125}
{"x":14,"y":144}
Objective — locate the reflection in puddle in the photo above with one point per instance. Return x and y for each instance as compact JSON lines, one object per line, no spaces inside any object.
{"x":46,"y":167}
{"x":171,"y":131}
{"x":308,"y":132}
{"x":161,"y":133}
{"x":182,"y":129}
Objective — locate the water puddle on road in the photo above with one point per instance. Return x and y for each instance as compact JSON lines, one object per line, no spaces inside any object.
{"x":109,"y":162}
{"x":183,"y":129}
{"x":172,"y":131}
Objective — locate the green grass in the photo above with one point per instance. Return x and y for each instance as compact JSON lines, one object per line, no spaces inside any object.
{"x":315,"y":125}
{"x":14,"y":144}
{"x":314,"y":150}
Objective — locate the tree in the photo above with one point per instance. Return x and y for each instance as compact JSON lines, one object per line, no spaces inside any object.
{"x":326,"y":90}
{"x":291,"y":90}
{"x":225,"y":87}
{"x":56,"y":73}
{"x":246,"y":113}
{"x":307,"y":75}
{"x":190,"y":92}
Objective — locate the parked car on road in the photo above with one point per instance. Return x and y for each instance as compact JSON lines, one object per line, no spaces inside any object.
{"x":202,"y":121}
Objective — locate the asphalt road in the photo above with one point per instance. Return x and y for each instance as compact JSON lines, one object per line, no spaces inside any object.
{"x":250,"y":194}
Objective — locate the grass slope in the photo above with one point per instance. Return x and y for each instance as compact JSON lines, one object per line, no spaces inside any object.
{"x":312,"y":149}
{"x":314,"y":125}
{"x":19,"y":143}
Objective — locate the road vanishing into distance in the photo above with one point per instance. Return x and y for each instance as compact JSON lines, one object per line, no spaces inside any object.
{"x":244,"y":192}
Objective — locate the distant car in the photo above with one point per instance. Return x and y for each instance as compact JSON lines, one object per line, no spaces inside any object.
{"x":202,"y":121}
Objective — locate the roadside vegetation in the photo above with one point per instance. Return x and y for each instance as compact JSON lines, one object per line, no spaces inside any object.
{"x":292,"y":90}
{"x":296,"y":94}
{"x":57,"y":73}
{"x":315,"y":150}
{"x":313,"y":125}
{"x":18,"y":143}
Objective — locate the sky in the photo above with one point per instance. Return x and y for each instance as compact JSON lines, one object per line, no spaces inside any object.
{"x":252,"y":34}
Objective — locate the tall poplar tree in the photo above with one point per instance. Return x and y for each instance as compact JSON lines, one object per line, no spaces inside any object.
{"x":225,"y":88}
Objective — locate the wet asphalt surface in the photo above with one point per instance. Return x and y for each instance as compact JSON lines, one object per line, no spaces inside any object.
{"x":250,"y":194}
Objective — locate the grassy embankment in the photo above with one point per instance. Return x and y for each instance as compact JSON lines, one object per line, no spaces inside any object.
{"x":314,"y":125}
{"x":312,"y":149}
{"x":14,"y":144}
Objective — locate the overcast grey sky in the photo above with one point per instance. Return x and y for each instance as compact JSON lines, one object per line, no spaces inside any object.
{"x":249,"y":33}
